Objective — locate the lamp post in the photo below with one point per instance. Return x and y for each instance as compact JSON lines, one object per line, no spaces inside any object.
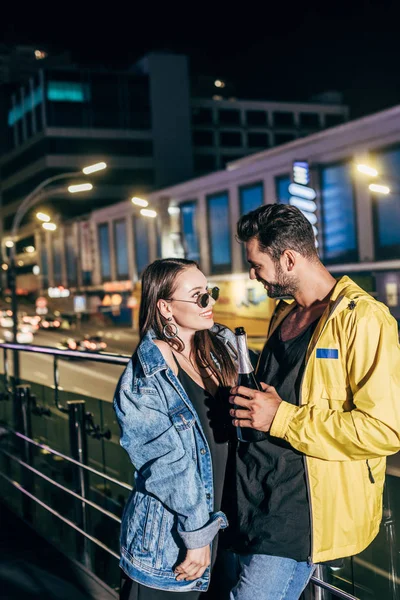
{"x":29,"y":202}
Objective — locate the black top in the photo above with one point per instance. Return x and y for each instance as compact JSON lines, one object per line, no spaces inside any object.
{"x":210,"y":411}
{"x":266,"y":497}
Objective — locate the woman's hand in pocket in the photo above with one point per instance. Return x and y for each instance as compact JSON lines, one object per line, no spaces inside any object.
{"x":196,"y":562}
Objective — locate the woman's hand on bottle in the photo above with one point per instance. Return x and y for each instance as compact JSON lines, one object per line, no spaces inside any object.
{"x":196,"y":562}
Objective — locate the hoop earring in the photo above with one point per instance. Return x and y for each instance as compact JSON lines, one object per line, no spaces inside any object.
{"x":170,"y":330}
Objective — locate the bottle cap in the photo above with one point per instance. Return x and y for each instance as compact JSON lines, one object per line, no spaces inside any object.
{"x":240,"y":331}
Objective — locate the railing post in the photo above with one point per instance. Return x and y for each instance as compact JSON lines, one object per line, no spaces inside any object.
{"x":78,"y":449}
{"x":23,"y":424}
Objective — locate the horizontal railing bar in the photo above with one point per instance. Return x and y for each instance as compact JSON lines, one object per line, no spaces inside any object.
{"x":334,"y":590}
{"x":19,"y":487}
{"x":105,"y":357}
{"x":72,"y":460}
{"x":61,"y":487}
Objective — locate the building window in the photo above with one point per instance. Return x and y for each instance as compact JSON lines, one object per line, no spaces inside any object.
{"x":121,"y":249}
{"x":283,"y":138}
{"x":251,"y":197}
{"x":219,"y":232}
{"x":230,"y":138}
{"x":309,"y":120}
{"x":256,"y":118}
{"x":387,"y":208}
{"x":204,"y":163}
{"x":141,"y":238}
{"x":333,"y":120}
{"x":104,"y":247}
{"x":338,"y":214}
{"x":282,"y":189}
{"x":31,"y":101}
{"x":202,"y":116}
{"x":203,"y":138}
{"x":283,"y":119}
{"x":258,"y":140}
{"x":57,"y":274}
{"x":229,"y":117}
{"x":190,"y":238}
{"x":71,"y":258}
{"x":68,"y":91}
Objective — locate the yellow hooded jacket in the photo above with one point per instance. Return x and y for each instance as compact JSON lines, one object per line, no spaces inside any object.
{"x":348,"y":420}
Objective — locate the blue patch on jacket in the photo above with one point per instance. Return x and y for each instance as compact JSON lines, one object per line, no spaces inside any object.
{"x":327,"y":353}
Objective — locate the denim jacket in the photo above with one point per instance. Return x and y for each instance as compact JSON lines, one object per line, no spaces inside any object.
{"x":171,"y":506}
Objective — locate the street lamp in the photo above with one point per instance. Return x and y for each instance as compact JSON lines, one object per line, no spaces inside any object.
{"x":29,"y":202}
{"x":377,"y":188}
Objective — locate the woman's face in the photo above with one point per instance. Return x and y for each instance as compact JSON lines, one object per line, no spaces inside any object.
{"x":190,"y":284}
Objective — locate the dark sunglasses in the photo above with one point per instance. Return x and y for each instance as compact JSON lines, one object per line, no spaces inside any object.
{"x":202,"y":300}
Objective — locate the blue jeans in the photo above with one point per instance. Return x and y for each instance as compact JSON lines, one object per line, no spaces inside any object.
{"x":264,"y":577}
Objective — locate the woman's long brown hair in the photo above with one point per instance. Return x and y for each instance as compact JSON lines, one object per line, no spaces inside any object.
{"x":159,"y":282}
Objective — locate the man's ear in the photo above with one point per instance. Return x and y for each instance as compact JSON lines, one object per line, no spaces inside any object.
{"x":289,"y":259}
{"x":164,"y":308}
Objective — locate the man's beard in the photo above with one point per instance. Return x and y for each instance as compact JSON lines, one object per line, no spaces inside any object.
{"x":283,"y":286}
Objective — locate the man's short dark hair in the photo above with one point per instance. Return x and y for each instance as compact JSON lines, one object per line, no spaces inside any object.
{"x":278,"y":227}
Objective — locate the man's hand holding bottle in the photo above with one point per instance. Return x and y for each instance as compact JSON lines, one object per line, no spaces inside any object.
{"x":255,"y":409}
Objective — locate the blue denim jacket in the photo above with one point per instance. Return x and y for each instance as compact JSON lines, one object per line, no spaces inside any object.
{"x":171,"y":507}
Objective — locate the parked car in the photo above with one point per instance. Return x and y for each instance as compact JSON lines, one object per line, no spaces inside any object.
{"x":6,"y":322}
{"x":49,"y":323}
{"x":90,"y":343}
{"x":23,"y":336}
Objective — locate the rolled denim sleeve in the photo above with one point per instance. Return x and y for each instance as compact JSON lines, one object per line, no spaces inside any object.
{"x":170,"y":474}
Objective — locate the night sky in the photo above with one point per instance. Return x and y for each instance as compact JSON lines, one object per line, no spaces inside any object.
{"x":282,"y":51}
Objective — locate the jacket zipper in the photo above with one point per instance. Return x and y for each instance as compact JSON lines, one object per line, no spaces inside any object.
{"x":307,"y":477}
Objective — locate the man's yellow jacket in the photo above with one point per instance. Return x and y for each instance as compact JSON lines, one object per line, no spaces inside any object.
{"x":348,"y":420}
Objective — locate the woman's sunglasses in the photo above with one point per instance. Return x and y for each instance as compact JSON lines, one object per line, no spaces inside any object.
{"x":202,"y":300}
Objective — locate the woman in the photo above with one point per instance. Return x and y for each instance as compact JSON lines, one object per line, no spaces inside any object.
{"x":168,"y":404}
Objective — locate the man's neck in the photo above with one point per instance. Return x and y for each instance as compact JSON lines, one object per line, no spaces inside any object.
{"x":315,"y":289}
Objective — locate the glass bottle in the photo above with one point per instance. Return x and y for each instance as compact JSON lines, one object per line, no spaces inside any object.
{"x":246,"y":378}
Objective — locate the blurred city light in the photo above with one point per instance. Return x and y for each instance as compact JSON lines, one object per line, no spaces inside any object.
{"x":379,"y":189}
{"x":139,"y":201}
{"x":147,"y":212}
{"x":219,"y":84}
{"x":9,"y":244}
{"x":93,"y":168}
{"x":81,"y":187}
{"x":4,"y":266}
{"x":49,"y":226}
{"x":36,"y":270}
{"x":174,"y":210}
{"x":43,"y":217}
{"x":367,"y":170}
{"x":29,"y":249}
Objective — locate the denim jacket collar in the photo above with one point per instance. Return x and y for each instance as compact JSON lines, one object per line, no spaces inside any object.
{"x":152,"y":360}
{"x":150,"y":356}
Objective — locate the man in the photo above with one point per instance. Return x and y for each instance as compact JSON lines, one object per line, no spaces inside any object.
{"x":311,"y":492}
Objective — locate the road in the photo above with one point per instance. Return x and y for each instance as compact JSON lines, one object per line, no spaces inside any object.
{"x":83,"y":377}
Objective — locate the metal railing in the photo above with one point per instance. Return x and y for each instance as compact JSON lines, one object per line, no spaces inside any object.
{"x":80,"y":424}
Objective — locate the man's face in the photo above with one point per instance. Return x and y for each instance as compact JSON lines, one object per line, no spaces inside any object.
{"x":275,"y":280}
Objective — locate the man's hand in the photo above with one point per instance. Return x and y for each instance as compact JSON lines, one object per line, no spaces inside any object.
{"x":260,"y":407}
{"x":194,"y":565}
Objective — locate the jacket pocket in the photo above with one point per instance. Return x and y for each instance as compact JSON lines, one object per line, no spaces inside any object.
{"x":182,"y":418}
{"x":148,"y":527}
{"x":336,"y":398}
